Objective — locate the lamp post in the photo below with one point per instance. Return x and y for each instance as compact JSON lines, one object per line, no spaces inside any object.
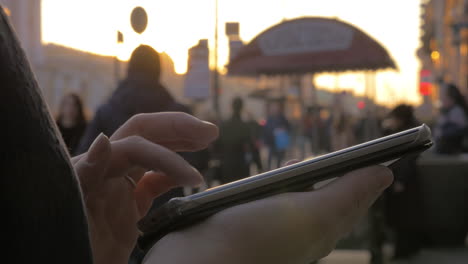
{"x":215,"y":72}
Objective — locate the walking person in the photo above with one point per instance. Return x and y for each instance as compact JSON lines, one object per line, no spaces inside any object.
{"x":452,"y":125}
{"x":277,"y":134}
{"x":140,"y":92}
{"x":234,"y":145}
{"x":342,"y":131}
{"x":255,"y":130}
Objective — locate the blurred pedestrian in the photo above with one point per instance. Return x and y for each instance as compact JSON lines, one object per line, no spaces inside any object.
{"x":368,"y":125}
{"x":140,"y":92}
{"x":342,"y":132}
{"x":403,"y":200}
{"x":308,"y":122}
{"x":255,"y":134}
{"x":71,"y":121}
{"x":234,"y":145}
{"x":277,"y":134}
{"x":452,"y":125}
{"x":324,"y":131}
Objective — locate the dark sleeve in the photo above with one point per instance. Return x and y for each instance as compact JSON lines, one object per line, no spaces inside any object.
{"x":451,"y":130}
{"x":94,"y":128}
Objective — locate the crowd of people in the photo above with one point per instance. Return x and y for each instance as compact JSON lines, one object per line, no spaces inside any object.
{"x":242,"y":139}
{"x":239,"y":146}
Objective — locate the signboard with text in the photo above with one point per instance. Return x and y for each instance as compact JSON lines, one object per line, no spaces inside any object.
{"x":306,"y":36}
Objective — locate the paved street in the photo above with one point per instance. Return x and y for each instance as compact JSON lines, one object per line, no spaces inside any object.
{"x":436,"y":256}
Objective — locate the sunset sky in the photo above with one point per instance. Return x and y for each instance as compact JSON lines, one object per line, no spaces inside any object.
{"x":176,"y":25}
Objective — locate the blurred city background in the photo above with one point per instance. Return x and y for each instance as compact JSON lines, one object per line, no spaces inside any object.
{"x":283,"y":79}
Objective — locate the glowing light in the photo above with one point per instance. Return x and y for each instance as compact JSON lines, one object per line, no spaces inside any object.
{"x":435,"y":55}
{"x":425,"y":88}
{"x":361,"y":104}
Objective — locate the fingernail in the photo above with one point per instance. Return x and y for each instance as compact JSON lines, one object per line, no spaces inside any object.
{"x":195,"y":181}
{"x":98,"y":149}
{"x":208,"y":123}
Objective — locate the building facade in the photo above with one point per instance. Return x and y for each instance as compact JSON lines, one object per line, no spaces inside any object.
{"x":444,"y":50}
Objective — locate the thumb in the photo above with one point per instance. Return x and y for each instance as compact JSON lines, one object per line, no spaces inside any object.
{"x":92,"y":166}
{"x":348,"y":198}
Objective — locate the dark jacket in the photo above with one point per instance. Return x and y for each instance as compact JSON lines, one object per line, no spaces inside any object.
{"x":140,"y":92}
{"x":135,"y":95}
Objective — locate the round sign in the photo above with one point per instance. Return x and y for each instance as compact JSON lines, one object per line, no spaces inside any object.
{"x":139,"y":19}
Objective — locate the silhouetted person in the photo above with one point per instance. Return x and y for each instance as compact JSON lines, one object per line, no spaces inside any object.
{"x":324,"y":131}
{"x":315,"y":131}
{"x":255,"y":134}
{"x":140,"y":92}
{"x":71,"y":121}
{"x":308,"y":123}
{"x":234,"y":144}
{"x":402,"y":201}
{"x":342,"y":135}
{"x":452,"y":126}
{"x":277,"y":134}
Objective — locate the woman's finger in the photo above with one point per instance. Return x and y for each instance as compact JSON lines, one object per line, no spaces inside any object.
{"x":92,"y":166}
{"x":138,"y":152}
{"x":176,"y":131}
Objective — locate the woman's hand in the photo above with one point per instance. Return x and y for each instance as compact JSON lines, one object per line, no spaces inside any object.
{"x":287,"y":228}
{"x":142,"y":149}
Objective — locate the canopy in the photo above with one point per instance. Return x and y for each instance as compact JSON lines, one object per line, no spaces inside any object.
{"x":310,"y":45}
